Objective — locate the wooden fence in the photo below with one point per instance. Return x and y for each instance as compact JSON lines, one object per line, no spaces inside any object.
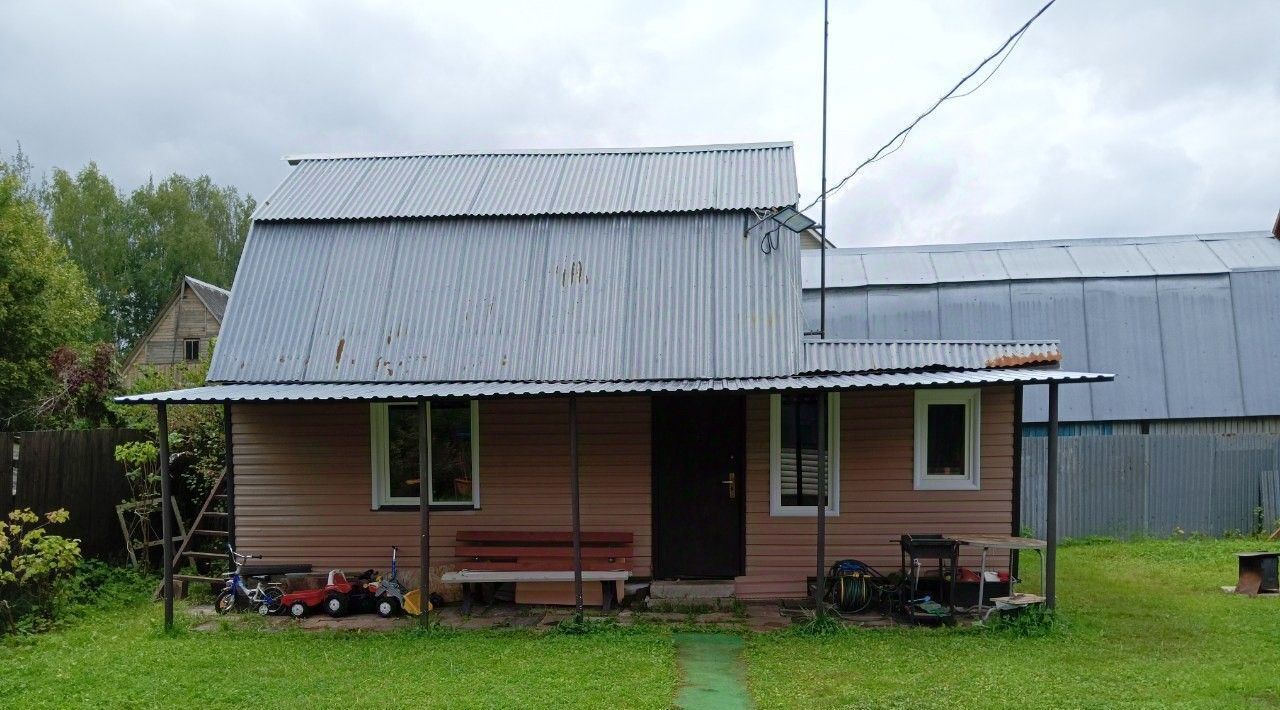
{"x":76,"y":470}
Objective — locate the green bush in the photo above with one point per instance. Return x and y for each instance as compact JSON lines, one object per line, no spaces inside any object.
{"x":35,"y":568}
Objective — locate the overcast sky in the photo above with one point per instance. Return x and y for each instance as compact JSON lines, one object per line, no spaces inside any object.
{"x":1110,"y":118}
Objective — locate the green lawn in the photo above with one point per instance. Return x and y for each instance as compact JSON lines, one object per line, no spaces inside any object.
{"x":1144,"y":624}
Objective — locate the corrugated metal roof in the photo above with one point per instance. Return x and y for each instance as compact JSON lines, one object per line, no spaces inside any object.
{"x":531,"y":183}
{"x":546,"y":298}
{"x":1191,"y":330}
{"x":1046,"y":259}
{"x":213,"y":297}
{"x":873,"y":355}
{"x":386,"y":391}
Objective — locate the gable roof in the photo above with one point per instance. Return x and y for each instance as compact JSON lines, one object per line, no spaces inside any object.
{"x":1187,"y":323}
{"x":535,"y":182}
{"x":213,"y":297}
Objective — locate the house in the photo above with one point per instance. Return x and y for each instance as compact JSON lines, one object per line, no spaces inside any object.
{"x":183,"y":331}
{"x":1190,"y":324}
{"x":598,"y":343}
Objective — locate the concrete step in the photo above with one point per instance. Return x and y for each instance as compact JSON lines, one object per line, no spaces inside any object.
{"x":691,"y":590}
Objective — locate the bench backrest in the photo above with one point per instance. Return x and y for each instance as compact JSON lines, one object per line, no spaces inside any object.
{"x":533,"y":551}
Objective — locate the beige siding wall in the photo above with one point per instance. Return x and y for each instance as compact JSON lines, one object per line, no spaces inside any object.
{"x":303,"y":484}
{"x":877,"y":500}
{"x":303,"y":480}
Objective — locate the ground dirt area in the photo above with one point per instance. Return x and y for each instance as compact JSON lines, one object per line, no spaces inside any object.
{"x":1142,"y":624}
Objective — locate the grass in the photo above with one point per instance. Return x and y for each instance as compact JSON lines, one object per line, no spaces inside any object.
{"x":1141,"y":624}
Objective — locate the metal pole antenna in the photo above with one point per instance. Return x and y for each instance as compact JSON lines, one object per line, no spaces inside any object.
{"x":822,"y":233}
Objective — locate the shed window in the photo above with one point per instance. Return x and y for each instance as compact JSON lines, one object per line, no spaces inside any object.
{"x":794,"y":459}
{"x":947,"y":433}
{"x":191,"y":349}
{"x":453,"y":454}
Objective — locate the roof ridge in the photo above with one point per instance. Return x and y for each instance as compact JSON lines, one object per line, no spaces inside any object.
{"x":294,"y":159}
{"x":1053,"y":242}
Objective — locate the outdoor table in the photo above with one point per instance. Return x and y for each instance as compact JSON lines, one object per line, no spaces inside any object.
{"x":1001,"y":542}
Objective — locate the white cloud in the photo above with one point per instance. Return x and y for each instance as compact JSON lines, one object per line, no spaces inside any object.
{"x":1110,"y":118}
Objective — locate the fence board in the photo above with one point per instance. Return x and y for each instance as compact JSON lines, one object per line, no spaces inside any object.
{"x":1154,"y":483}
{"x":77,"y":470}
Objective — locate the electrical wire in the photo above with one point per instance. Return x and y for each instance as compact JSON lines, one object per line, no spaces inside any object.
{"x":880,"y":154}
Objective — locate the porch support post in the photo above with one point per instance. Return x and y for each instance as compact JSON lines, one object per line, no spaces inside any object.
{"x":820,"y":579}
{"x":577,"y":513}
{"x":424,"y":518}
{"x":1051,"y":503}
{"x":229,"y":466}
{"x":166,"y":511}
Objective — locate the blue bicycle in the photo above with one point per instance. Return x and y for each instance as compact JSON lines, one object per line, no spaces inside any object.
{"x":263,"y":597}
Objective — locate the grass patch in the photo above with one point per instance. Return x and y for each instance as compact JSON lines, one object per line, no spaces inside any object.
{"x":1139,"y":624}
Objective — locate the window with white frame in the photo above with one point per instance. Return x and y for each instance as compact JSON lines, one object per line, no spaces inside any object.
{"x":947,"y":432}
{"x":453,"y":454}
{"x":794,"y":464}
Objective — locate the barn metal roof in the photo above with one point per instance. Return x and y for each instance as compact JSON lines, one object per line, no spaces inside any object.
{"x":609,"y":297}
{"x":1046,"y":259}
{"x":386,"y":391}
{"x":535,"y":182}
{"x":1189,"y":324}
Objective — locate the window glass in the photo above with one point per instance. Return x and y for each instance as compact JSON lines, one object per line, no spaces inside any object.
{"x":450,"y":452}
{"x":798,"y":456}
{"x":191,"y":349}
{"x":946,"y":456}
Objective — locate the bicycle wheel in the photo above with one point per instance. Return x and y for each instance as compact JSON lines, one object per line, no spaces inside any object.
{"x":225,"y":602}
{"x":271,"y":599}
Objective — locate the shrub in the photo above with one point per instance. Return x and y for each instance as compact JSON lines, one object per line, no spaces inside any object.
{"x":34,"y":569}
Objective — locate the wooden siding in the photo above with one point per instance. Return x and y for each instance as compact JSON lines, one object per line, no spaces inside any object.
{"x":303,"y":484}
{"x":183,"y":318}
{"x":303,"y":480}
{"x":877,"y":497}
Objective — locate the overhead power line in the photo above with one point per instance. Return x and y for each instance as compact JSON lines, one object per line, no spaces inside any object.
{"x":900,"y":138}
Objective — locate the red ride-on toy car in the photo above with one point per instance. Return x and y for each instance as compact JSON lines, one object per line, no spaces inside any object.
{"x":300,"y":602}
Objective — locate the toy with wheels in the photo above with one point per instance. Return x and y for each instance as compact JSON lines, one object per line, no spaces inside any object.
{"x":389,"y":599}
{"x":301,"y":602}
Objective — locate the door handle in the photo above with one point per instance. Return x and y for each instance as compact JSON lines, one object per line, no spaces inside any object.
{"x":732,"y":482}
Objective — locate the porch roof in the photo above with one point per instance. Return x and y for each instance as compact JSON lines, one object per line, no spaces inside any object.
{"x":400,"y":391}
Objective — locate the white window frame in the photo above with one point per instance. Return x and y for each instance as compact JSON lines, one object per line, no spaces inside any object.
{"x":972,"y":401}
{"x":776,"y":508}
{"x":379,"y":446}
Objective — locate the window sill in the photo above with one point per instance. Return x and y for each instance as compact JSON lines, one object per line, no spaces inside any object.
{"x":435,"y":508}
{"x":800,"y":512}
{"x":942,"y":484}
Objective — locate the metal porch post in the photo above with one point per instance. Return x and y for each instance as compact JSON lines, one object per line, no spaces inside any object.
{"x":166,"y":511}
{"x":820,"y":579}
{"x":424,"y":517}
{"x":1051,"y":503}
{"x":229,"y":466}
{"x":577,"y":513}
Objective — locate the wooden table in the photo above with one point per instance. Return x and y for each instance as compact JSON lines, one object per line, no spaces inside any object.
{"x":1001,"y":542}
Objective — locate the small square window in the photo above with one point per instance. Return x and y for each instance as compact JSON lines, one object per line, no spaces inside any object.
{"x":191,"y":349}
{"x":947,"y":432}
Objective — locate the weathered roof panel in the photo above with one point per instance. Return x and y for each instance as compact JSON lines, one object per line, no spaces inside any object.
{"x":536,"y":182}
{"x":549,"y":298}
{"x":213,"y":297}
{"x":878,"y":355}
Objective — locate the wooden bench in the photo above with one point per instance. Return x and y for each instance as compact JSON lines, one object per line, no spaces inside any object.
{"x":494,"y":556}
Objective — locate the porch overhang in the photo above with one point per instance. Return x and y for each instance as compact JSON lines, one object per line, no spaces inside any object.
{"x":407,"y":391}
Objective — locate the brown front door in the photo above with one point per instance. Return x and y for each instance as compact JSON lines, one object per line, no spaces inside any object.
{"x":698,"y":442}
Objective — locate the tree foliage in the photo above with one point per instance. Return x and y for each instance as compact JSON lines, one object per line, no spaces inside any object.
{"x":45,"y":301}
{"x":137,"y":248}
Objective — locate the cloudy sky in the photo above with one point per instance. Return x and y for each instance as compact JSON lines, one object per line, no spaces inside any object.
{"x":1110,"y":118}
